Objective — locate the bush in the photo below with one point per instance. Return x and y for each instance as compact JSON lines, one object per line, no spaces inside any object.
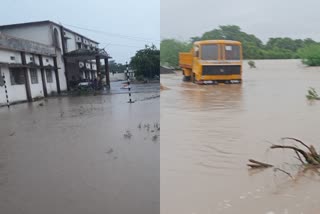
{"x":310,"y":55}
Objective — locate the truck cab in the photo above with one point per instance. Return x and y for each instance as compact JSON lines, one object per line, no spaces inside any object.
{"x":213,"y":61}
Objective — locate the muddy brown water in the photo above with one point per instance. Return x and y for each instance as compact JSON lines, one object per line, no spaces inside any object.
{"x":209,"y":132}
{"x":73,"y":155}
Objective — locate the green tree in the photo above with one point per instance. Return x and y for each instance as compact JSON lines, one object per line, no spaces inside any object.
{"x":115,"y":67}
{"x":253,"y":47}
{"x":169,"y":51}
{"x":310,"y":55}
{"x":146,"y":62}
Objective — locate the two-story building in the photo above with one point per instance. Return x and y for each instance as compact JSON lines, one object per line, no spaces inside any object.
{"x":46,"y":45}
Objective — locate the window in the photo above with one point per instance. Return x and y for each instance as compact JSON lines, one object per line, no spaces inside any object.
{"x":196,"y":51}
{"x":209,"y":52}
{"x":49,"y":75}
{"x":47,"y":60}
{"x":12,"y":57}
{"x":79,"y":45}
{"x":232,"y":52}
{"x":31,"y":58}
{"x":16,"y":76}
{"x":34,"y":76}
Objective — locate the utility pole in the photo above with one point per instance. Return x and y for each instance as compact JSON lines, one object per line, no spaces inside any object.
{"x":5,"y":89}
{"x":128,"y":79}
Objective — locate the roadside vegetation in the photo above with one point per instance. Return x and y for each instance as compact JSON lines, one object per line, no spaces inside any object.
{"x":253,"y":48}
{"x":145,"y":63}
{"x":310,"y":55}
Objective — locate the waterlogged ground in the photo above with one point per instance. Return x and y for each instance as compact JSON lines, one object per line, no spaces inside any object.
{"x":80,"y":155}
{"x":208,"y":133}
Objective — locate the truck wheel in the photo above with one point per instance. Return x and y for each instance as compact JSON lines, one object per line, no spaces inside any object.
{"x":193,"y":77}
{"x":186,"y":78}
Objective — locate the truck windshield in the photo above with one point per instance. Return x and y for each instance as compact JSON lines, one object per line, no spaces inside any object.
{"x":232,"y":52}
{"x":209,"y":52}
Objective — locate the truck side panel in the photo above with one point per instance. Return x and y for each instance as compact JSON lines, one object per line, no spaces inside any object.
{"x":185,"y":60}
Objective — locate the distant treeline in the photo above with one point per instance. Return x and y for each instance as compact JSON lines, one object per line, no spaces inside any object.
{"x":253,"y":47}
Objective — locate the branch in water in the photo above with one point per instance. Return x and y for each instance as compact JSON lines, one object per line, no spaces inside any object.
{"x":281,"y":170}
{"x":258,"y":164}
{"x":309,"y":158}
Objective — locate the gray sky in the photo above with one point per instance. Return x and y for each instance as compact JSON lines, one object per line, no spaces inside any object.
{"x":129,"y":25}
{"x":182,"y":19}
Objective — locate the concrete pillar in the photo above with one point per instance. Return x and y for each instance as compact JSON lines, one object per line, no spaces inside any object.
{"x":26,"y":77}
{"x":106,"y":63}
{"x":56,"y":74}
{"x":44,"y":84}
{"x":99,"y":71}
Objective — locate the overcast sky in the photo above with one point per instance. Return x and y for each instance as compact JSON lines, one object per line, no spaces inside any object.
{"x":128,"y":25}
{"x":182,"y":19}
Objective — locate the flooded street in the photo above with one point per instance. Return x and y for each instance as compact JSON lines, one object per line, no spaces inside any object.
{"x":80,"y":155}
{"x":208,"y":133}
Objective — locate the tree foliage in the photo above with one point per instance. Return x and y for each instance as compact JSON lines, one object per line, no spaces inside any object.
{"x":115,"y":67}
{"x":146,"y":62}
{"x":169,"y":49}
{"x":253,"y":47}
{"x":310,"y":55}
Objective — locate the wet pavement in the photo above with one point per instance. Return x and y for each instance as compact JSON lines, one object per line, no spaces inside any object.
{"x":208,"y":133}
{"x":80,"y":155}
{"x":117,"y":88}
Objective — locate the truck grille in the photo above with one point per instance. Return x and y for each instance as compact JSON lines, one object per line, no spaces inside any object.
{"x":221,"y":69}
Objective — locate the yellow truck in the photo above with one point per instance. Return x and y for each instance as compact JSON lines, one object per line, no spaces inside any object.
{"x":212,"y":62}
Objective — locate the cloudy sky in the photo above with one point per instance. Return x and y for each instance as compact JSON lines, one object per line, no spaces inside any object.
{"x":124,"y":26}
{"x":183,"y":19}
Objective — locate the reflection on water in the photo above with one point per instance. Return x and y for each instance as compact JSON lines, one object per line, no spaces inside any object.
{"x":209,"y":132}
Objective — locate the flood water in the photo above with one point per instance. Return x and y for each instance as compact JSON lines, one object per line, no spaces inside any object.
{"x":208,"y":133}
{"x":80,"y":155}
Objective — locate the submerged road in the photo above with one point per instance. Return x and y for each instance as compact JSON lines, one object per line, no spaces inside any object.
{"x":80,"y":155}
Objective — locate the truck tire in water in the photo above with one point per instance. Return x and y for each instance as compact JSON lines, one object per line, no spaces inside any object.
{"x":186,"y":78}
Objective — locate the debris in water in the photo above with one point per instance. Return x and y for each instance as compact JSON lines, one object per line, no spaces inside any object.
{"x":40,"y":104}
{"x":310,"y":155}
{"x":258,"y":164}
{"x":155,"y":137}
{"x":312,"y":94}
{"x":127,"y":134}
{"x":13,"y":133}
{"x":281,"y":170}
{"x":147,"y":126}
{"x":252,"y":64}
{"x":109,"y":151}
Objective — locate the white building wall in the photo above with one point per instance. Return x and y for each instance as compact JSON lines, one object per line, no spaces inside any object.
{"x":71,"y":43}
{"x":37,"y":33}
{"x":15,"y":92}
{"x":51,"y":86}
{"x":5,"y":56}
{"x":61,"y":72}
{"x":36,"y":89}
{"x":35,"y":58}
